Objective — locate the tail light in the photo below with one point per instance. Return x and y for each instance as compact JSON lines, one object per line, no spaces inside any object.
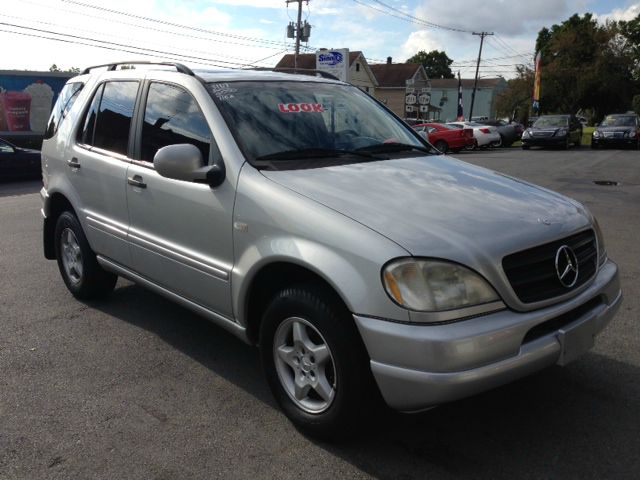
{"x":485,"y":130}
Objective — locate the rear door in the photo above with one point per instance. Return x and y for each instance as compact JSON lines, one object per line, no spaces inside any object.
{"x":181,"y":232}
{"x":98,"y":163}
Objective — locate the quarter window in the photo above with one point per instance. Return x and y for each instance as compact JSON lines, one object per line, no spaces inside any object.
{"x":63,"y":104}
{"x":171,"y":117}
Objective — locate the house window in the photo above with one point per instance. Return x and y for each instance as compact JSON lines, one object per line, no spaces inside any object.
{"x":357,"y":67}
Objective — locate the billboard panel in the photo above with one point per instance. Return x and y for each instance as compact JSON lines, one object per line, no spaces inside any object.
{"x":26,"y":99}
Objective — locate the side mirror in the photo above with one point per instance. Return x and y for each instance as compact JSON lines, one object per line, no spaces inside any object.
{"x":184,"y":162}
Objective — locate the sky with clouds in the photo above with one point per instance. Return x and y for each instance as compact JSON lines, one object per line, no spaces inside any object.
{"x":236,"y":33}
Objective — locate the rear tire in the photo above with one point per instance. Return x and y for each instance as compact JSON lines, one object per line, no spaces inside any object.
{"x":80,"y":270}
{"x":442,"y":146}
{"x":315,"y":362}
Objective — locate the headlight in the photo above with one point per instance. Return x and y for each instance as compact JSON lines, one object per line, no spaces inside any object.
{"x":435,"y":285}
{"x":602,"y":252}
{"x":596,"y":134}
{"x":561,"y":132}
{"x":631,"y":133}
{"x":526,"y":134}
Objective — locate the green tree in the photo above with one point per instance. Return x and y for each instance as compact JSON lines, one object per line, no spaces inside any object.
{"x":515,"y":101}
{"x":436,"y":63}
{"x":583,"y":67}
{"x":55,"y":68}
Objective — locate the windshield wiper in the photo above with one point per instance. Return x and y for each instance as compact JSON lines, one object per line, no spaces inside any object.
{"x":393,"y":147}
{"x":304,"y":153}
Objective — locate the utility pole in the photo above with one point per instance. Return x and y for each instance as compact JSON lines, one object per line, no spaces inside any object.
{"x":302,"y":32}
{"x":475,"y":82}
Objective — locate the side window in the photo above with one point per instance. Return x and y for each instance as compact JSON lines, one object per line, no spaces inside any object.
{"x":6,"y":148}
{"x":62,"y":106}
{"x":107,"y":122}
{"x":113,"y":122}
{"x":85,"y":135}
{"x":172,"y":116}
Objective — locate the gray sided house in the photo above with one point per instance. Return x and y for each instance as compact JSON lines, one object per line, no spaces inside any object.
{"x":393,"y":80}
{"x":444,"y":94}
{"x":360,"y":74}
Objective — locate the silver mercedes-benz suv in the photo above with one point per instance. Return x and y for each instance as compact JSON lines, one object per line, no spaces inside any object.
{"x":301,"y":215}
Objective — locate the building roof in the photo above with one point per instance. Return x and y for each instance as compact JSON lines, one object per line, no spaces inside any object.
{"x":308,"y":60}
{"x":394,"y":75}
{"x":467,"y":83}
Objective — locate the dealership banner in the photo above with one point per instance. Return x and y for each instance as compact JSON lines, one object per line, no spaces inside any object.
{"x":335,"y":62}
{"x":26,"y":99}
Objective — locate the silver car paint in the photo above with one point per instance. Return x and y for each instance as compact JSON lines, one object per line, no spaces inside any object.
{"x":440,"y":207}
{"x":345,"y":223}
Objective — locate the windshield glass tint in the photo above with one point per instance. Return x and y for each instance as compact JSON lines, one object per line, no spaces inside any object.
{"x":267,"y":118}
{"x":616,"y":121}
{"x":544,"y":122}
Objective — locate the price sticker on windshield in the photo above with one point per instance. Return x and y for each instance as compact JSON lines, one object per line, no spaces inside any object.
{"x":300,"y":108}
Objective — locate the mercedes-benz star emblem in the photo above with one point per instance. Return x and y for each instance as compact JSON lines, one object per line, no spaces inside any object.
{"x":566,"y":266}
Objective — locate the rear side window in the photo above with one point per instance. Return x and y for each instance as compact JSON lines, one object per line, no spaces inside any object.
{"x":62,"y":106}
{"x":107,"y":122}
{"x":172,"y":116}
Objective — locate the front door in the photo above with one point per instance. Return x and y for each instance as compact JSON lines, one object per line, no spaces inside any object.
{"x":181,"y":232}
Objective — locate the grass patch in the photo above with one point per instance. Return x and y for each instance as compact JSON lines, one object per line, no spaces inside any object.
{"x":586,"y":135}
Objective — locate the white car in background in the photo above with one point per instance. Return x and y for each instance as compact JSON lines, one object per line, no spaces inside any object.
{"x":485,"y":135}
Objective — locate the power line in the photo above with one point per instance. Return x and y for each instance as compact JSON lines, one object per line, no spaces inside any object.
{"x":108,"y":35}
{"x":127,"y":48}
{"x":172,"y":24}
{"x":276,"y":46}
{"x":408,"y":18}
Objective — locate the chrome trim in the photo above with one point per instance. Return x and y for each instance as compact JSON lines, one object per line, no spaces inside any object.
{"x":457,"y":315}
{"x":215,"y":318}
{"x":105,"y":225}
{"x":198,"y":262}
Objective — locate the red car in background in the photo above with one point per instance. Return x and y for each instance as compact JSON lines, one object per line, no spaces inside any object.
{"x":446,"y":138}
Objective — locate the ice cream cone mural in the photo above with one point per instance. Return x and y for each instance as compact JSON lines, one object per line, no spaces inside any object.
{"x":41,"y":98}
{"x":26,"y":99}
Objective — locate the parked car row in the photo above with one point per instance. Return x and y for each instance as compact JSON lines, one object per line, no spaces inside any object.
{"x":455,"y":136}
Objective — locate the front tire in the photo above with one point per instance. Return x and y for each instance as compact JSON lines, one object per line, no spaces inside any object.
{"x":315,"y":362}
{"x":80,"y":270}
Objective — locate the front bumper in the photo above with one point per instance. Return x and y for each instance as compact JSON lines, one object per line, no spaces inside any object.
{"x":419,"y":366}
{"x":614,"y":141}
{"x":544,"y":141}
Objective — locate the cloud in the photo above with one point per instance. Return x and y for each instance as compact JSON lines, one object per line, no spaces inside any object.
{"x":617,"y":14}
{"x":416,"y":41}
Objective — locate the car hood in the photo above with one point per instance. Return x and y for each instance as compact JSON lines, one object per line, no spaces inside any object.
{"x":441,"y":207}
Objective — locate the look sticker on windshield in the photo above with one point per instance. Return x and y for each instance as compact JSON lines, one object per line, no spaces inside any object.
{"x":300,"y":108}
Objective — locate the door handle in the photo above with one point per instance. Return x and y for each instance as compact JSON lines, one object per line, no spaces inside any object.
{"x":73,"y":163}
{"x":136,"y":181}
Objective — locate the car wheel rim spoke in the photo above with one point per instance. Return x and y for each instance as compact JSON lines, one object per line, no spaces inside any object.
{"x":305,"y":365}
{"x":71,"y":256}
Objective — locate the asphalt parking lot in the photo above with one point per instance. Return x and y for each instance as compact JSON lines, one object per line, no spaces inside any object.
{"x":137,"y":387}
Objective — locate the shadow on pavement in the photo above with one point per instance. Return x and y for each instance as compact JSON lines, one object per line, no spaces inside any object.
{"x":10,"y":188}
{"x":582,"y":421}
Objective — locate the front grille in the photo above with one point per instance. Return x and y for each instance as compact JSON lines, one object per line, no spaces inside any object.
{"x":532,"y":272}
{"x":542,"y":134}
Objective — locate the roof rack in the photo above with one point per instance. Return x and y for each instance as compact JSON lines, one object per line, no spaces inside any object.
{"x":112,"y":66}
{"x":301,"y":71}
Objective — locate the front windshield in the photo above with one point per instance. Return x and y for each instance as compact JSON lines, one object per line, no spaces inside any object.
{"x":552,"y":121}
{"x":269,"y":118}
{"x":617,"y":121}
